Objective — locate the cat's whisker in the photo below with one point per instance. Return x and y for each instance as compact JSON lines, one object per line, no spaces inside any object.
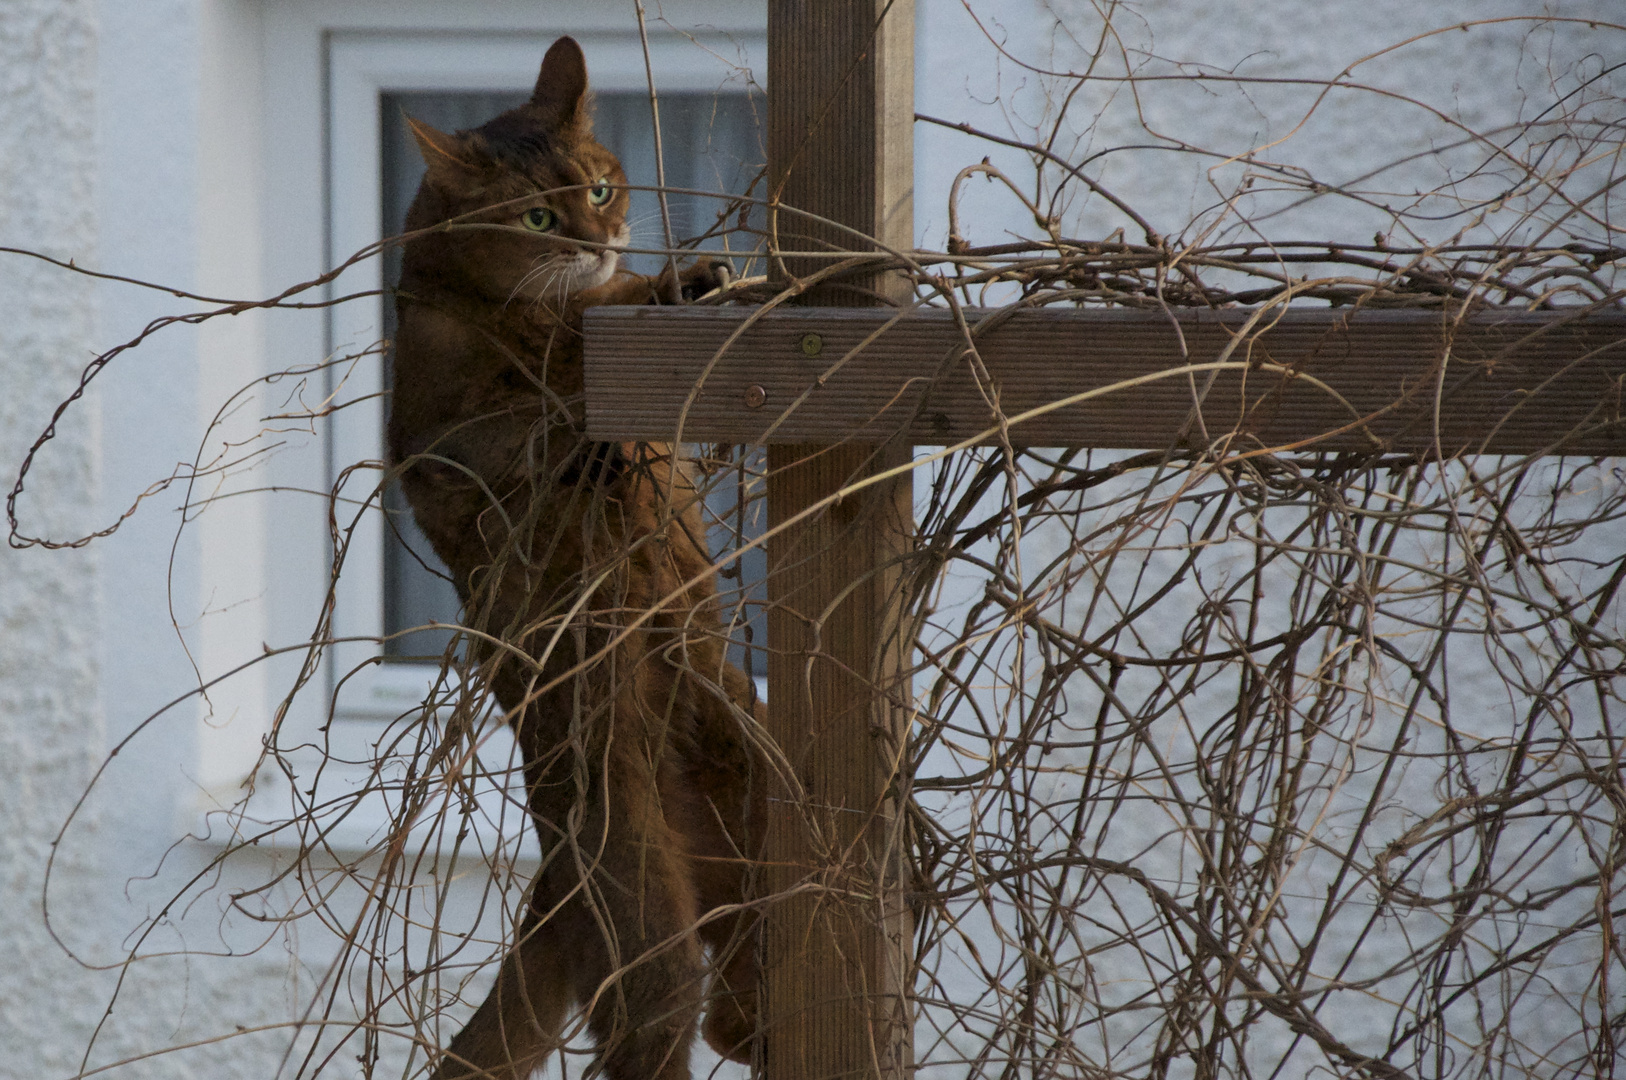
{"x":650,"y":226}
{"x":642,"y":220}
{"x":555,"y":273}
{"x":538,"y":298}
{"x":546,"y":264}
{"x":537,"y":269}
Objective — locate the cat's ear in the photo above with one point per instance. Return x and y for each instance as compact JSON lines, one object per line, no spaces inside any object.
{"x":562,"y":84}
{"x":445,"y":156}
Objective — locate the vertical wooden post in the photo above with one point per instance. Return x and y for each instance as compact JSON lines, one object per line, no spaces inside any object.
{"x":836,"y":948}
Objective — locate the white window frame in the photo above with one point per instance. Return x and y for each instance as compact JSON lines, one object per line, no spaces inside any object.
{"x":322,"y":66}
{"x":361,"y":67}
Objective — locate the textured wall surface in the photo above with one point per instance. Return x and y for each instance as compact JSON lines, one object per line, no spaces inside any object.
{"x":50,"y":720}
{"x":85,"y":648}
{"x":1478,"y":77}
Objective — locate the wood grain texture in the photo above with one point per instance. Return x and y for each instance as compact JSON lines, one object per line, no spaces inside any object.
{"x":1513,"y":382}
{"x":840,"y":132}
{"x":835,"y":947}
{"x":836,"y":951}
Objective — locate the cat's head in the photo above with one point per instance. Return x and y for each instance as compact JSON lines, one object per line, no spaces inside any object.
{"x":538,"y":171}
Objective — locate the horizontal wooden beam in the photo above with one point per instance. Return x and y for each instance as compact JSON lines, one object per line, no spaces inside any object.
{"x":1512,"y":382}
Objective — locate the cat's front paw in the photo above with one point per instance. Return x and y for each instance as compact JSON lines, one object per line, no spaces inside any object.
{"x":701,"y":277}
{"x":705,"y":276}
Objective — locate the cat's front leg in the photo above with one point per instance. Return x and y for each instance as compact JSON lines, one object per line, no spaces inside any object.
{"x":693,"y":281}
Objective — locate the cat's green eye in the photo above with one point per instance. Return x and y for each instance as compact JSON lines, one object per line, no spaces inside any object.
{"x":539,"y":219}
{"x":601,"y":192}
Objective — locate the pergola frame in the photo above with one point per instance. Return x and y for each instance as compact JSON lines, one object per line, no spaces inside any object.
{"x":839,"y":394}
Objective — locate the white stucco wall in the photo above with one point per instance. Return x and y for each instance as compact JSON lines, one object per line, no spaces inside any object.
{"x":50,"y":721}
{"x":99,"y":162}
{"x":1494,"y":73}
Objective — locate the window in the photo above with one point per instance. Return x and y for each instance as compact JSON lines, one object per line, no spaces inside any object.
{"x":711,"y":142}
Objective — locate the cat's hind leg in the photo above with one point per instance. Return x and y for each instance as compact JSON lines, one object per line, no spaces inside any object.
{"x":728,"y":779}
{"x":626,"y":920}
{"x":730,"y":1026}
{"x":518,"y":1024}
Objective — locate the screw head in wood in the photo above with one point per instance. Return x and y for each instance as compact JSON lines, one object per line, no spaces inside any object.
{"x":755,"y":396}
{"x":812,"y":344}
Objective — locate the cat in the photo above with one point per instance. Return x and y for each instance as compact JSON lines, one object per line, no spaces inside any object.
{"x":639,"y":765}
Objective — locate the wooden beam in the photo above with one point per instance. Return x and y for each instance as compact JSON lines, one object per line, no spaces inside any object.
{"x":1514,"y":382}
{"x":835,"y":946}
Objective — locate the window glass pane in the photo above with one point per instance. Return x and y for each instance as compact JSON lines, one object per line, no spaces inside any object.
{"x":712,"y":142}
{"x":417,"y":589}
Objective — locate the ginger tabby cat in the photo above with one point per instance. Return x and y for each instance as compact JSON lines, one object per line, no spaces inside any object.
{"x":638,"y":769}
